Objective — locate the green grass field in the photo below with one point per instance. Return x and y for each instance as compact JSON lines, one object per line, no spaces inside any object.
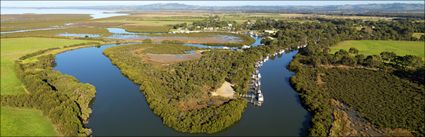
{"x":13,"y":48}
{"x":32,"y":21}
{"x":375,"y":47}
{"x":25,"y":122}
{"x":56,"y":32}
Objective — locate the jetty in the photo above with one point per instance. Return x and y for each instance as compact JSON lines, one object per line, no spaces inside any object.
{"x":255,"y":94}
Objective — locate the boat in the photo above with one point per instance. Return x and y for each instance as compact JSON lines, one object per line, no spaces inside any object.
{"x":260,"y":97}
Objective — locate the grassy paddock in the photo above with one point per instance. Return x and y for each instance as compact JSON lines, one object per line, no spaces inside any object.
{"x":32,"y":21}
{"x":13,"y":48}
{"x":25,"y":122}
{"x":375,"y":47}
{"x":151,"y":22}
{"x":56,"y":32}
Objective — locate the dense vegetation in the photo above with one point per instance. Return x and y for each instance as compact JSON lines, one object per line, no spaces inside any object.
{"x":384,"y":99}
{"x":319,"y":35}
{"x":14,"y":48}
{"x":179,"y":95}
{"x":187,"y":79}
{"x":165,"y":48}
{"x":387,"y":89}
{"x":63,"y":99}
{"x":380,"y":87}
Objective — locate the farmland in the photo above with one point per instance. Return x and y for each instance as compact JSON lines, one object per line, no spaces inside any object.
{"x":56,"y":32}
{"x":29,"y":121}
{"x":25,"y":122}
{"x":31,"y":21}
{"x":153,"y":22}
{"x":13,"y":48}
{"x":375,"y":47}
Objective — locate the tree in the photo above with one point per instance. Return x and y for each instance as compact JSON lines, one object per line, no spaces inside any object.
{"x":409,"y":62}
{"x":360,"y":58}
{"x":353,"y":51}
{"x":388,"y":56}
{"x":147,"y":41}
{"x":373,"y":61}
{"x":422,"y":38}
{"x":326,"y":50}
{"x":347,"y":60}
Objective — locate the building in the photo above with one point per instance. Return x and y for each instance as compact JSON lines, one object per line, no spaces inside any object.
{"x":245,"y":47}
{"x":270,"y":31}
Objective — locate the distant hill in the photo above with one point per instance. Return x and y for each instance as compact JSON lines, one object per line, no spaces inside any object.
{"x":359,"y":8}
{"x":403,"y":8}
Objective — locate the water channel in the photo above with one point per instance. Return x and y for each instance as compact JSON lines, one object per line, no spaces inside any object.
{"x":120,"y":108}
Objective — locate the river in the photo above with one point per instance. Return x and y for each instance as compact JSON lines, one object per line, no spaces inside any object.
{"x":120,"y":108}
{"x":94,"y":13}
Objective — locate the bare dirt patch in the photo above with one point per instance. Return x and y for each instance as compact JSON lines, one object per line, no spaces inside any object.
{"x":171,"y":58}
{"x":225,"y":90}
{"x":196,"y":40}
{"x":348,"y":122}
{"x":319,"y":80}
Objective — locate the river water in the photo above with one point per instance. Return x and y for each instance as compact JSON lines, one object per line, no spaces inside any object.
{"x":94,"y":13}
{"x":282,"y":113}
{"x":120,"y":108}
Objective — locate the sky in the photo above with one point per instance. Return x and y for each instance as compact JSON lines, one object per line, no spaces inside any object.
{"x":202,"y":3}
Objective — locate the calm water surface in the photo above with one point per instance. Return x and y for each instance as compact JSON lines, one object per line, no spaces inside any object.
{"x":95,"y":14}
{"x":282,"y":113}
{"x":120,"y":108}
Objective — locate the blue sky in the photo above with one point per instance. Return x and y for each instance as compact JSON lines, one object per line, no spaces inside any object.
{"x":203,"y":3}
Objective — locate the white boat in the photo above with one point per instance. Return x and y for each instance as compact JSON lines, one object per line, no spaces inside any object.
{"x":260,"y":97}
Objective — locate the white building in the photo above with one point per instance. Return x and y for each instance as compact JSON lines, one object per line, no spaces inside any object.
{"x":245,"y":47}
{"x":270,"y":31}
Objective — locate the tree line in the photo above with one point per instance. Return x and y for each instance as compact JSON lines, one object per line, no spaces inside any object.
{"x":399,"y":77}
{"x":179,"y":94}
{"x":62,"y":98}
{"x":185,"y":83}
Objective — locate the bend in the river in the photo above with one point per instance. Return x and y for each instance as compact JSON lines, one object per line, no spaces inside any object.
{"x":120,"y":109}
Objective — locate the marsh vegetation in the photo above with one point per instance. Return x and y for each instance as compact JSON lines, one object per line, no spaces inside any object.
{"x":373,"y":65}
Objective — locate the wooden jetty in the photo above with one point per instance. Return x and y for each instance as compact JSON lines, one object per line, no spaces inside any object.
{"x":255,"y":94}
